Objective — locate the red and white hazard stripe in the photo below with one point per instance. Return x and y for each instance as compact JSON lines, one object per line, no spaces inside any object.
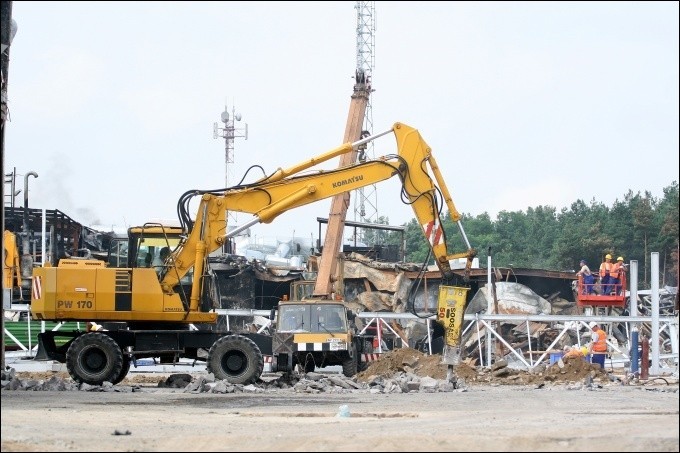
{"x":37,"y":288}
{"x":267,"y":358}
{"x":433,"y":232}
{"x":369,"y":357}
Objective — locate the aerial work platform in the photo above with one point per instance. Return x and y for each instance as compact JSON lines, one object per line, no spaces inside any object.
{"x":590,"y":295}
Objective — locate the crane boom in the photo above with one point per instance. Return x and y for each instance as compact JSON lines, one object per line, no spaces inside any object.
{"x":340,"y":203}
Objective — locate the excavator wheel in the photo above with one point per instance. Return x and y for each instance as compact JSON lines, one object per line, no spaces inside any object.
{"x":236,"y":359}
{"x":95,"y":358}
{"x":124,"y":371}
{"x":350,"y":365}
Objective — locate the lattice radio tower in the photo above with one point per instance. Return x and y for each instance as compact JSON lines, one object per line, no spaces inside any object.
{"x":229,"y":132}
{"x":366,"y":201}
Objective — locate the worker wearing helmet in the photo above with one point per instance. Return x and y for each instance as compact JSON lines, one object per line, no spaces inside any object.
{"x":598,"y":344}
{"x":605,"y":274}
{"x":618,"y":269}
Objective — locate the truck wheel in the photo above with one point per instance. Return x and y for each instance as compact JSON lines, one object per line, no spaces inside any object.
{"x":351,"y":364}
{"x":367,"y":349}
{"x":94,"y":358}
{"x":236,"y":359}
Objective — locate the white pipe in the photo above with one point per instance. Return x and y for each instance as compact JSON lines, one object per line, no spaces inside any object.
{"x":30,"y":347}
{"x":633,"y":335}
{"x":44,"y":239}
{"x":479,"y":343}
{"x":489,"y":307}
{"x":531,"y":356}
{"x":633,"y":309}
{"x":655,"y":344}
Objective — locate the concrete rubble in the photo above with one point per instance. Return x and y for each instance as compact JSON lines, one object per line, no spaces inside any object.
{"x":404,"y":370}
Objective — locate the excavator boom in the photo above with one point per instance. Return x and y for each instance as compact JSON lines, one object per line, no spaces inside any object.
{"x":423,"y":188}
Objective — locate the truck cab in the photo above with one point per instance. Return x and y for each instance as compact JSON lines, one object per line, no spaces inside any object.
{"x":317,"y":333}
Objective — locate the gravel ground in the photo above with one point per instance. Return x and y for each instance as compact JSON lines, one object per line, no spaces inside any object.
{"x":483,"y":417}
{"x":571,"y":407}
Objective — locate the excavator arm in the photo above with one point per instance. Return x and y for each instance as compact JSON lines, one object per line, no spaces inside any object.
{"x":423,"y":188}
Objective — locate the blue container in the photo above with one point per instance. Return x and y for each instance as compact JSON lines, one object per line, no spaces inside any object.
{"x":555,"y":356}
{"x":145,"y":362}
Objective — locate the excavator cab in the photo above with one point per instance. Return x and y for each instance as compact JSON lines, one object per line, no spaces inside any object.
{"x":145,"y":243}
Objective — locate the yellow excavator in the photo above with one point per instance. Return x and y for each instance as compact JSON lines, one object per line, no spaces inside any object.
{"x":149,"y":311}
{"x":11,"y":267}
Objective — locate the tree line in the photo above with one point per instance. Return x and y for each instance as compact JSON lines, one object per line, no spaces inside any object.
{"x":543,"y":238}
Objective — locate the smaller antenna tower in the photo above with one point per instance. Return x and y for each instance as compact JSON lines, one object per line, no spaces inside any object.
{"x":229,"y":132}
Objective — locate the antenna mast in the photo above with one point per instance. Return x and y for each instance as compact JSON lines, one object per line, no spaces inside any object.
{"x":229,"y":132}
{"x":366,"y":203}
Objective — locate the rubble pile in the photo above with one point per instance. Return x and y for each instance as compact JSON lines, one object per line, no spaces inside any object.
{"x":411,"y":361}
{"x":403,"y":370}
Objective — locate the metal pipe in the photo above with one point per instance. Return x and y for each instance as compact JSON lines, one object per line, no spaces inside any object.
{"x":655,"y":313}
{"x":644,"y":368}
{"x":30,"y":173}
{"x":531,"y":355}
{"x":43,"y":240}
{"x":489,"y":306}
{"x":632,"y":300}
{"x":26,"y":259}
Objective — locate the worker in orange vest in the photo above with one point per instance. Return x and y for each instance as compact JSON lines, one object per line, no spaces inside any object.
{"x":617,"y":272}
{"x":598,"y":344}
{"x":605,"y":275}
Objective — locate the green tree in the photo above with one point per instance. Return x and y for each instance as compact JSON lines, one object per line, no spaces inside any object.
{"x":666,"y":217}
{"x":633,"y":227}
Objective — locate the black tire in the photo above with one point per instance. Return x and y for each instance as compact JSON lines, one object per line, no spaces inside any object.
{"x":368,"y":349}
{"x":124,"y":371}
{"x":350,"y":365}
{"x":94,"y":358}
{"x":236,"y":359}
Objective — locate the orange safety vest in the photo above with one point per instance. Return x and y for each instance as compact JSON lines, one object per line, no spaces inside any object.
{"x":605,"y":268}
{"x":601,"y":344}
{"x":617,"y":269}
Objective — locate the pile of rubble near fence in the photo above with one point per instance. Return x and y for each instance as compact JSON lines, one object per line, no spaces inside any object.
{"x":403,"y":370}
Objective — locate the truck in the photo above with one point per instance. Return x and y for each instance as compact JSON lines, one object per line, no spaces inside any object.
{"x":171,"y":312}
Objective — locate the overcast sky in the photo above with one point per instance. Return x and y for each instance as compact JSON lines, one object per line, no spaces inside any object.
{"x":523,"y":103}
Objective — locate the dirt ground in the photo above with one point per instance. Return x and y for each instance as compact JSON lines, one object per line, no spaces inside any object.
{"x":407,"y":359}
{"x":500,"y":410}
